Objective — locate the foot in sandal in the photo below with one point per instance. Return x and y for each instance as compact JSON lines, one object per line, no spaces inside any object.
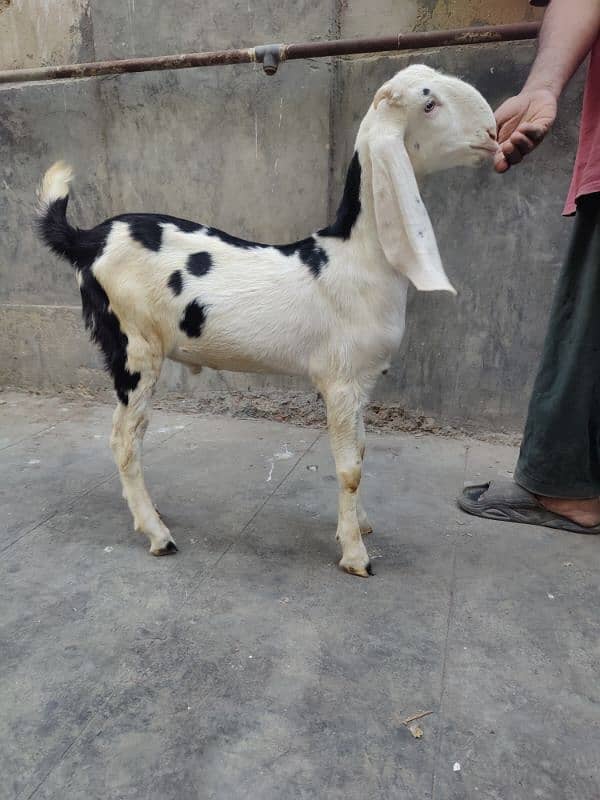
{"x":507,"y":501}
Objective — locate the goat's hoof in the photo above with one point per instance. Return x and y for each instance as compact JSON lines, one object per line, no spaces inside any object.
{"x":357,"y":569}
{"x":169,"y":549}
{"x":366,"y":530}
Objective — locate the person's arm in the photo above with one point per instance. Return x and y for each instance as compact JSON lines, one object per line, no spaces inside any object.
{"x":568,"y":32}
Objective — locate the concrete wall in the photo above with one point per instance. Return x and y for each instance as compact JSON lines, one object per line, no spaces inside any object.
{"x":265,"y":157}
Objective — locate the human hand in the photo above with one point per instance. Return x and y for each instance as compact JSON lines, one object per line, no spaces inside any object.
{"x":523,"y":121}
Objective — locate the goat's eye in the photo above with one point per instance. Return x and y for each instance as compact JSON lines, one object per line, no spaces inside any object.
{"x":429,"y":106}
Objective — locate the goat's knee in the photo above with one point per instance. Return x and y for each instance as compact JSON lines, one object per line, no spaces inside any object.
{"x":349,"y":478}
{"x":351,"y":519}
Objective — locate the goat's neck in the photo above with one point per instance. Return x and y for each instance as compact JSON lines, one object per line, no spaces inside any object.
{"x":355,"y":225}
{"x":364,"y":233}
{"x":358,"y":274}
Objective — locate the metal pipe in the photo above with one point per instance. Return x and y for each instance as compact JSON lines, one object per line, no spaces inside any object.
{"x":280,"y":52}
{"x":414,"y":41}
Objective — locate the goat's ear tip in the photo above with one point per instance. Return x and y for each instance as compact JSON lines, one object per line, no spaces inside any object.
{"x":379,"y":96}
{"x":387,"y":92}
{"x":384,"y":92}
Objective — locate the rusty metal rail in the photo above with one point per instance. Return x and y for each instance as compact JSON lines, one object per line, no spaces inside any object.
{"x":271,"y":55}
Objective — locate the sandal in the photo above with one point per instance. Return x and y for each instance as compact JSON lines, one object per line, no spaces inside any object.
{"x":507,"y":501}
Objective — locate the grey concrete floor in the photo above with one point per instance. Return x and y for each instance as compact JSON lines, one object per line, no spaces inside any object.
{"x":249,"y":666}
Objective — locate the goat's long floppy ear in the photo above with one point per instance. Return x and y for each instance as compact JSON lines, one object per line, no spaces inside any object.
{"x":403,"y":225}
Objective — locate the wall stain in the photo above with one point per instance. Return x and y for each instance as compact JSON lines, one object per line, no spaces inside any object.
{"x":444,"y":14}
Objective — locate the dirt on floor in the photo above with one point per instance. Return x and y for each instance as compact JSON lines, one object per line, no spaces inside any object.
{"x":303,"y":408}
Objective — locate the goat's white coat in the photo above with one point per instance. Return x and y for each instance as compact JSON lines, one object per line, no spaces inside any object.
{"x":266,"y":311}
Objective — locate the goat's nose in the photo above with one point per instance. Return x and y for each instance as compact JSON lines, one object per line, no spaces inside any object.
{"x":492,"y":134}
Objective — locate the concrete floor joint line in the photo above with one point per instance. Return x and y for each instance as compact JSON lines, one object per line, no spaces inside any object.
{"x":84,"y":493}
{"x":440,"y":730}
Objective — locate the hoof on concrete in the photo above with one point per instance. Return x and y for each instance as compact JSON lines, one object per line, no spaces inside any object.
{"x":169,"y":549}
{"x":354,"y":569}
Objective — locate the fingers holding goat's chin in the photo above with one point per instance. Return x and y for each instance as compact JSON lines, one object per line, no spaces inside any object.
{"x":500,"y":162}
{"x":522,"y":143}
{"x":511,"y":153}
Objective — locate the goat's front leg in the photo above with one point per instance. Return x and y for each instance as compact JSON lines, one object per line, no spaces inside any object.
{"x":344,"y":416}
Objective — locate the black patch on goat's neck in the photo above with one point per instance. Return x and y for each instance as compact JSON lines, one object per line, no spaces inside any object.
{"x":199,"y":264}
{"x":106,"y":332}
{"x":175,"y":282}
{"x":309,"y":251}
{"x":349,"y":208}
{"x":193,"y":319}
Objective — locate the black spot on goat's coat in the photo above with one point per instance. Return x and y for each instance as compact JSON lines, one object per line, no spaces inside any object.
{"x":308,"y":250}
{"x":245,"y":244}
{"x":147,"y":228}
{"x":147,"y":232}
{"x":310,"y":253}
{"x":349,"y":208}
{"x":199,"y":264}
{"x":143,"y":218}
{"x":175,"y":282}
{"x":193,"y":319}
{"x":106,"y":332}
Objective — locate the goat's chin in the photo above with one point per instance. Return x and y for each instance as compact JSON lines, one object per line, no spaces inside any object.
{"x":473,"y":158}
{"x":466,"y":156}
{"x":464,"y":160}
{"x":481,"y":156}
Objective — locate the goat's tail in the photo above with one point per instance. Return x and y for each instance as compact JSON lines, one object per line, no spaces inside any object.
{"x":52,"y":223}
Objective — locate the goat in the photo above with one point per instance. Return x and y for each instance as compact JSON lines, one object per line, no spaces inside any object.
{"x":330,"y":306}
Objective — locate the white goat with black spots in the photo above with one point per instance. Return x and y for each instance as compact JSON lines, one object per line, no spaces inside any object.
{"x":330,"y":307}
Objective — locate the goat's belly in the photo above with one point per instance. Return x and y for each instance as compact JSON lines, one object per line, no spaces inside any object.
{"x":197,"y":357}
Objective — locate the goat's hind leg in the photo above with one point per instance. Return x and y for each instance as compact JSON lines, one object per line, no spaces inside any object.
{"x":130,"y":422}
{"x":363,"y":520}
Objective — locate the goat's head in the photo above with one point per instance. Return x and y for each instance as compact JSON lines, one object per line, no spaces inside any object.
{"x":443,"y":121}
{"x":420,"y":121}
